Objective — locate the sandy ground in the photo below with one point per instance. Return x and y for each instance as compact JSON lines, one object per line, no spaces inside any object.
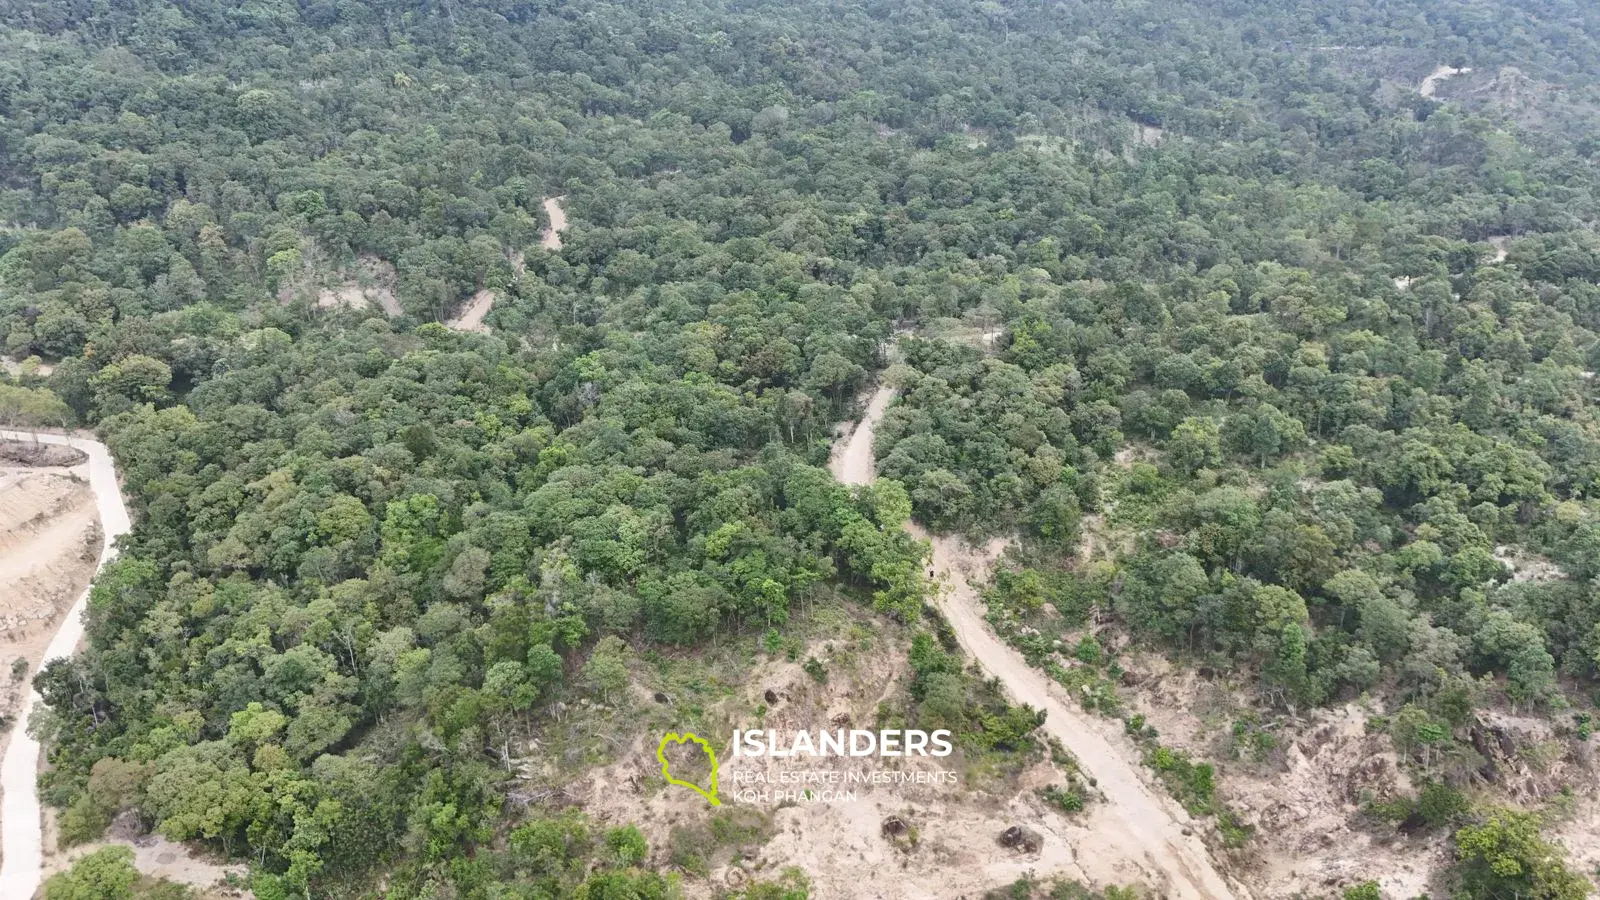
{"x":1144,"y":825}
{"x":839,"y":842}
{"x":21,"y":823}
{"x":1304,"y":802}
{"x":1580,"y":835}
{"x":15,"y":367}
{"x":1526,"y":566}
{"x":157,"y":857}
{"x":1430,"y":84}
{"x":1304,"y":798}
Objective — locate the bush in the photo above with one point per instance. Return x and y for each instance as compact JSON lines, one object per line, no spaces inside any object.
{"x":106,"y":874}
{"x":627,"y":846}
{"x":1441,"y":804}
{"x":1505,"y":856}
{"x":1366,"y":890}
{"x":1068,"y":800}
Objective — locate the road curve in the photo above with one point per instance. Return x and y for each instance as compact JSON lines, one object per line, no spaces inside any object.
{"x":1147,"y":821}
{"x":21,"y":821}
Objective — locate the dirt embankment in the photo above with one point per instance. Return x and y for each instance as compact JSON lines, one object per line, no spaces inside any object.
{"x":24,"y":455}
{"x":55,"y":539}
{"x":50,"y":541}
{"x":49,"y":548}
{"x":1146,"y":829}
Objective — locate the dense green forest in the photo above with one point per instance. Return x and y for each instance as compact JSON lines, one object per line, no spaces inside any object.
{"x":369,"y":549}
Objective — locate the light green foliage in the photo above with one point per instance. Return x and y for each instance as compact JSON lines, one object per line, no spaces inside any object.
{"x":1504,"y":855}
{"x":626,"y":846}
{"x":792,"y":884}
{"x":25,"y":407}
{"x":1366,"y":890}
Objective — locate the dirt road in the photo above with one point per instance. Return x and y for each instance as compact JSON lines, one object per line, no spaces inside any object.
{"x":1151,"y":824}
{"x":21,"y":824}
{"x":471,"y":316}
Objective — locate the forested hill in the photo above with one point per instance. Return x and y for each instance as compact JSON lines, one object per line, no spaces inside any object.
{"x":371,"y":552}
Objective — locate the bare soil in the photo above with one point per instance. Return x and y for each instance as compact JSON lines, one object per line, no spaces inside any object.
{"x":1527,"y":566}
{"x":1304,"y":800}
{"x":1305,"y":796}
{"x":26,"y":454}
{"x":372,"y":282}
{"x":16,"y":368}
{"x":156,"y":857}
{"x":49,"y":549}
{"x":1499,"y":242}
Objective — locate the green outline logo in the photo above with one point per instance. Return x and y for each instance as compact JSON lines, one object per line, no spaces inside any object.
{"x":661,"y":754}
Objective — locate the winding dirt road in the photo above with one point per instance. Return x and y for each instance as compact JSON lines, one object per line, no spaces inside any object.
{"x":21,"y":822}
{"x":1150,"y":824}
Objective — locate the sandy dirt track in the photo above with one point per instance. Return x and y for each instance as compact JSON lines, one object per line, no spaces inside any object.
{"x":21,"y":824}
{"x":1151,"y":825}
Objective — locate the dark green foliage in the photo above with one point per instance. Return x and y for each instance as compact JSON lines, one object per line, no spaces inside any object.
{"x":1436,"y":805}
